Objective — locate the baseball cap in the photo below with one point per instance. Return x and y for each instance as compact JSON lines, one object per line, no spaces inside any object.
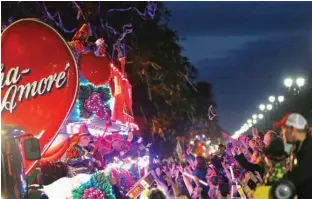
{"x":294,"y":120}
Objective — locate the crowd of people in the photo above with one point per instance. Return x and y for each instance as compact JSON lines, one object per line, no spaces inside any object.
{"x":270,"y":165}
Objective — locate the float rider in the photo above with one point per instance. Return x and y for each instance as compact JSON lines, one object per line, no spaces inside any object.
{"x":78,"y":158}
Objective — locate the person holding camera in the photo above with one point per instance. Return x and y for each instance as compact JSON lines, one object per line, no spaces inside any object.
{"x":299,"y":177}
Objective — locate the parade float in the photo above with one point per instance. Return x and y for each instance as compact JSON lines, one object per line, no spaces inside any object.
{"x":48,"y":93}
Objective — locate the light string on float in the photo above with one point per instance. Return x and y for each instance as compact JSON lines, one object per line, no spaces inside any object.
{"x":118,"y":46}
{"x":58,"y":23}
{"x":149,"y":13}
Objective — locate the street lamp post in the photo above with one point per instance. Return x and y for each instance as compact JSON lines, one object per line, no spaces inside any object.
{"x":296,"y":85}
{"x":293,"y":85}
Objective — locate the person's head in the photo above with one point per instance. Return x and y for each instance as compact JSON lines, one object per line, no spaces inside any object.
{"x":156,"y":194}
{"x":200,"y":162}
{"x":274,"y":152}
{"x":269,"y":137}
{"x":222,"y":148}
{"x":84,"y":140}
{"x":84,"y":136}
{"x":158,"y":171}
{"x":229,"y":147}
{"x":293,"y":127}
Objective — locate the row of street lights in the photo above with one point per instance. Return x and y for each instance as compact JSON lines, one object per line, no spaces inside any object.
{"x":294,"y":85}
{"x":273,"y":100}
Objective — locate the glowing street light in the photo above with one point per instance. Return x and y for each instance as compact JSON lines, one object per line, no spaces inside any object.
{"x":254,"y":121}
{"x":272,"y":99}
{"x":269,"y":107}
{"x":288,"y":82}
{"x":249,"y":125}
{"x":280,"y":99}
{"x":249,"y":121}
{"x":262,"y":107}
{"x":254,"y":116}
{"x":300,"y":81}
{"x":260,"y":116}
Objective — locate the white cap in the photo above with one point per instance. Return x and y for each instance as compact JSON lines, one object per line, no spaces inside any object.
{"x":297,"y":121}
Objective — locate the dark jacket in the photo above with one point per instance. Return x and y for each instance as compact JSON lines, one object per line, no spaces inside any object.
{"x":301,"y":174}
{"x":77,"y":162}
{"x":201,"y":174}
{"x":243,"y":162}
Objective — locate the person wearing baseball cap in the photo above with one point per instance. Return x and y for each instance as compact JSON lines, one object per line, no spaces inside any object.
{"x":294,"y":131}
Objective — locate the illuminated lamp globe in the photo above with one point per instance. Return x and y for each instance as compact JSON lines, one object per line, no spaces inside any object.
{"x":280,"y":98}
{"x":272,"y":99}
{"x":300,"y":81}
{"x":254,"y":121}
{"x":288,"y":82}
{"x":260,"y":116}
{"x":269,"y":107}
{"x":254,"y":116}
{"x":249,"y":121}
{"x":262,"y":107}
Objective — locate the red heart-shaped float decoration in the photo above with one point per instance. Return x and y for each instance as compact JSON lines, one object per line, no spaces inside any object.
{"x":95,"y":69}
{"x":36,"y":57}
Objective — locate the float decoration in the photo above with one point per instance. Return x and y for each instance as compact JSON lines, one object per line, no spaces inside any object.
{"x":96,"y":69}
{"x":34,"y":79}
{"x":98,"y":184}
{"x":94,"y":104}
{"x":87,"y":93}
{"x":79,"y":42}
{"x":93,"y":193}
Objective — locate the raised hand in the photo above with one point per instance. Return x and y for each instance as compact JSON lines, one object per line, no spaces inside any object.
{"x":258,"y":176}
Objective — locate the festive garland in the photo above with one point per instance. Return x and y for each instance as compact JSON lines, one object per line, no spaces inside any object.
{"x":97,"y":187}
{"x":85,"y":91}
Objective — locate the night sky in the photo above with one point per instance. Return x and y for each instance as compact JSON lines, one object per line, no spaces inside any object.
{"x":245,"y":49}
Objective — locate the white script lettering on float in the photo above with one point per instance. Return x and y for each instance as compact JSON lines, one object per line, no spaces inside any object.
{"x":17,"y":93}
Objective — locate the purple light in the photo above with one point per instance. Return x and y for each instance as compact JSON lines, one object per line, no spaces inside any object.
{"x":59,"y":23}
